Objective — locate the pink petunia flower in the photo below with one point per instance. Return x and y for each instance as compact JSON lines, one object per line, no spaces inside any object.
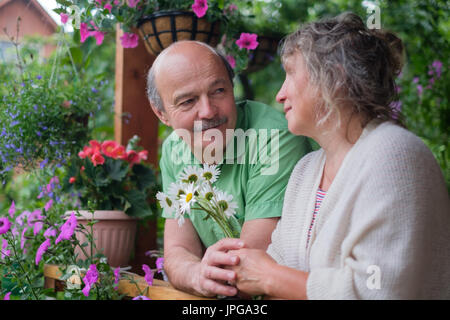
{"x":160,"y":264}
{"x":96,"y":146}
{"x":247,"y":41}
{"x":141,"y":298}
{"x":108,"y":7}
{"x":64,"y":17}
{"x":67,"y":229}
{"x":231,"y":61}
{"x":129,"y":40}
{"x":42,"y":248}
{"x":22,"y":238}
{"x":116,"y":276}
{"x":108,"y":147}
{"x":35,"y":221}
{"x":98,"y":35}
{"x":148,"y":274}
{"x":84,"y":32}
{"x":119,"y":152}
{"x":5,"y":253}
{"x":72,"y":180}
{"x":5,"y":224}
{"x":50,"y":232}
{"x":6,"y":297}
{"x":89,"y":279}
{"x":48,"y":205}
{"x":20,"y":218}
{"x":12,"y":210}
{"x":132,"y":3}
{"x":200,"y":7}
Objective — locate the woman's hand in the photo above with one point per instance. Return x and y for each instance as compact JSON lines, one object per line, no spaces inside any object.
{"x":254,"y":271}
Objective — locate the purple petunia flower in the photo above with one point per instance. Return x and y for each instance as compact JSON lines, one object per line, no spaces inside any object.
{"x":148,"y":274}
{"x":50,"y":232}
{"x":116,"y":276}
{"x":6,"y":297}
{"x":5,"y":224}
{"x":48,"y":205}
{"x":42,"y":248}
{"x":12,"y":210}
{"x":67,"y":229}
{"x":89,"y":279}
{"x":35,"y":221}
{"x":22,"y":238}
{"x":5,"y":253}
{"x":160,"y":264}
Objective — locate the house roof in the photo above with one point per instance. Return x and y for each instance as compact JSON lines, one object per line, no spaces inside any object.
{"x":38,"y":7}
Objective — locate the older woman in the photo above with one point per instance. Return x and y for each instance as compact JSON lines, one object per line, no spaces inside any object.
{"x":367,"y":216}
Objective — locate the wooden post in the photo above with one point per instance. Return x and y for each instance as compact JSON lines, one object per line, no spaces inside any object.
{"x":133,"y":116}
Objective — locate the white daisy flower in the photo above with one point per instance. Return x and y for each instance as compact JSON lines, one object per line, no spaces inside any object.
{"x":166,"y":202}
{"x":189,"y":198}
{"x":191,"y":174}
{"x":210,"y":172}
{"x":176,"y":190}
{"x":207,"y":192}
{"x":228,"y":206}
{"x":179,"y":216}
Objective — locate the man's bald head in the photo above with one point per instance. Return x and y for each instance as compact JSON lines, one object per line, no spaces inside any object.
{"x":189,"y":50}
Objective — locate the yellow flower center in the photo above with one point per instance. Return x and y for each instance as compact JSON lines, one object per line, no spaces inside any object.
{"x":188,"y":197}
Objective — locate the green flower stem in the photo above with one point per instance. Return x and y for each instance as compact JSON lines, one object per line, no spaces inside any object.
{"x":21,"y":267}
{"x":223,"y":224}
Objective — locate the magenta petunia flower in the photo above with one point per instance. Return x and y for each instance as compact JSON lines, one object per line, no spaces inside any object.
{"x":89,"y":279}
{"x":50,"y":232}
{"x":248,"y":41}
{"x":231,"y":61}
{"x":5,"y":224}
{"x":200,"y":7}
{"x":84,"y":32}
{"x":98,"y":35}
{"x":5,"y":253}
{"x":67,"y":229}
{"x":22,"y":216}
{"x":12,"y":210}
{"x":160,"y":264}
{"x":6,"y":297}
{"x":116,"y":276}
{"x":108,"y":7}
{"x":141,"y":298}
{"x":64,"y":17}
{"x":42,"y":248}
{"x":129,"y":40}
{"x":148,"y":274}
{"x":35,"y":220}
{"x":48,"y":205}
{"x":22,"y":237}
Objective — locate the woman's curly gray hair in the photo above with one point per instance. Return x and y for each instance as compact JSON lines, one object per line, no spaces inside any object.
{"x":349,"y":64}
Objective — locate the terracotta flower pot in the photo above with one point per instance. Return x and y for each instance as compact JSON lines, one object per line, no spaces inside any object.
{"x":114,"y":233}
{"x":162,"y":28}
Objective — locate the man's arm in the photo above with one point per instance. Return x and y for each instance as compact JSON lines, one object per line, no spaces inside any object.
{"x":256,"y":234}
{"x":188,"y":270}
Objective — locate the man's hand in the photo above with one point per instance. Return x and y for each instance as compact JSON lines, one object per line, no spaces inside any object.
{"x":212,"y":277}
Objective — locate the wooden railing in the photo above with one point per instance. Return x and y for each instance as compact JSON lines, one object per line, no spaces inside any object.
{"x":160,"y":290}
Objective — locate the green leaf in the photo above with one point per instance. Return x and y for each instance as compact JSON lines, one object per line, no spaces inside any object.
{"x":116,"y":171}
{"x":139,"y":206}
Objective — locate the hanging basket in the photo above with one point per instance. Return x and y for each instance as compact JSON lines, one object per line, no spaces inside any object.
{"x":162,"y":28}
{"x":263,"y":54}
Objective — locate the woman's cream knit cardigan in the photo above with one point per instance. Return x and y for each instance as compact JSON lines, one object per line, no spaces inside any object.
{"x":383,"y":229}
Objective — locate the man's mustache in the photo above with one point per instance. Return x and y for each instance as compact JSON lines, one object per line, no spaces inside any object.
{"x":202,"y":125}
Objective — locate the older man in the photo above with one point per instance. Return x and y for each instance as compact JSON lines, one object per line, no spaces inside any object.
{"x":190,"y":88}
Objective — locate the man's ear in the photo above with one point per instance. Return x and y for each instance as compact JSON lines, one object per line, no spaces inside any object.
{"x":160,"y":114}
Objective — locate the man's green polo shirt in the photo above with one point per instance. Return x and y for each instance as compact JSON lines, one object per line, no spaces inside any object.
{"x":256,"y":174}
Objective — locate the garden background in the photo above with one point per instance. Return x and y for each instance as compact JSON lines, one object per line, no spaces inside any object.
{"x":423,"y":86}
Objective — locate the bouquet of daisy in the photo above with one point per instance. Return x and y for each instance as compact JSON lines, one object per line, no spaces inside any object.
{"x":194,"y":190}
